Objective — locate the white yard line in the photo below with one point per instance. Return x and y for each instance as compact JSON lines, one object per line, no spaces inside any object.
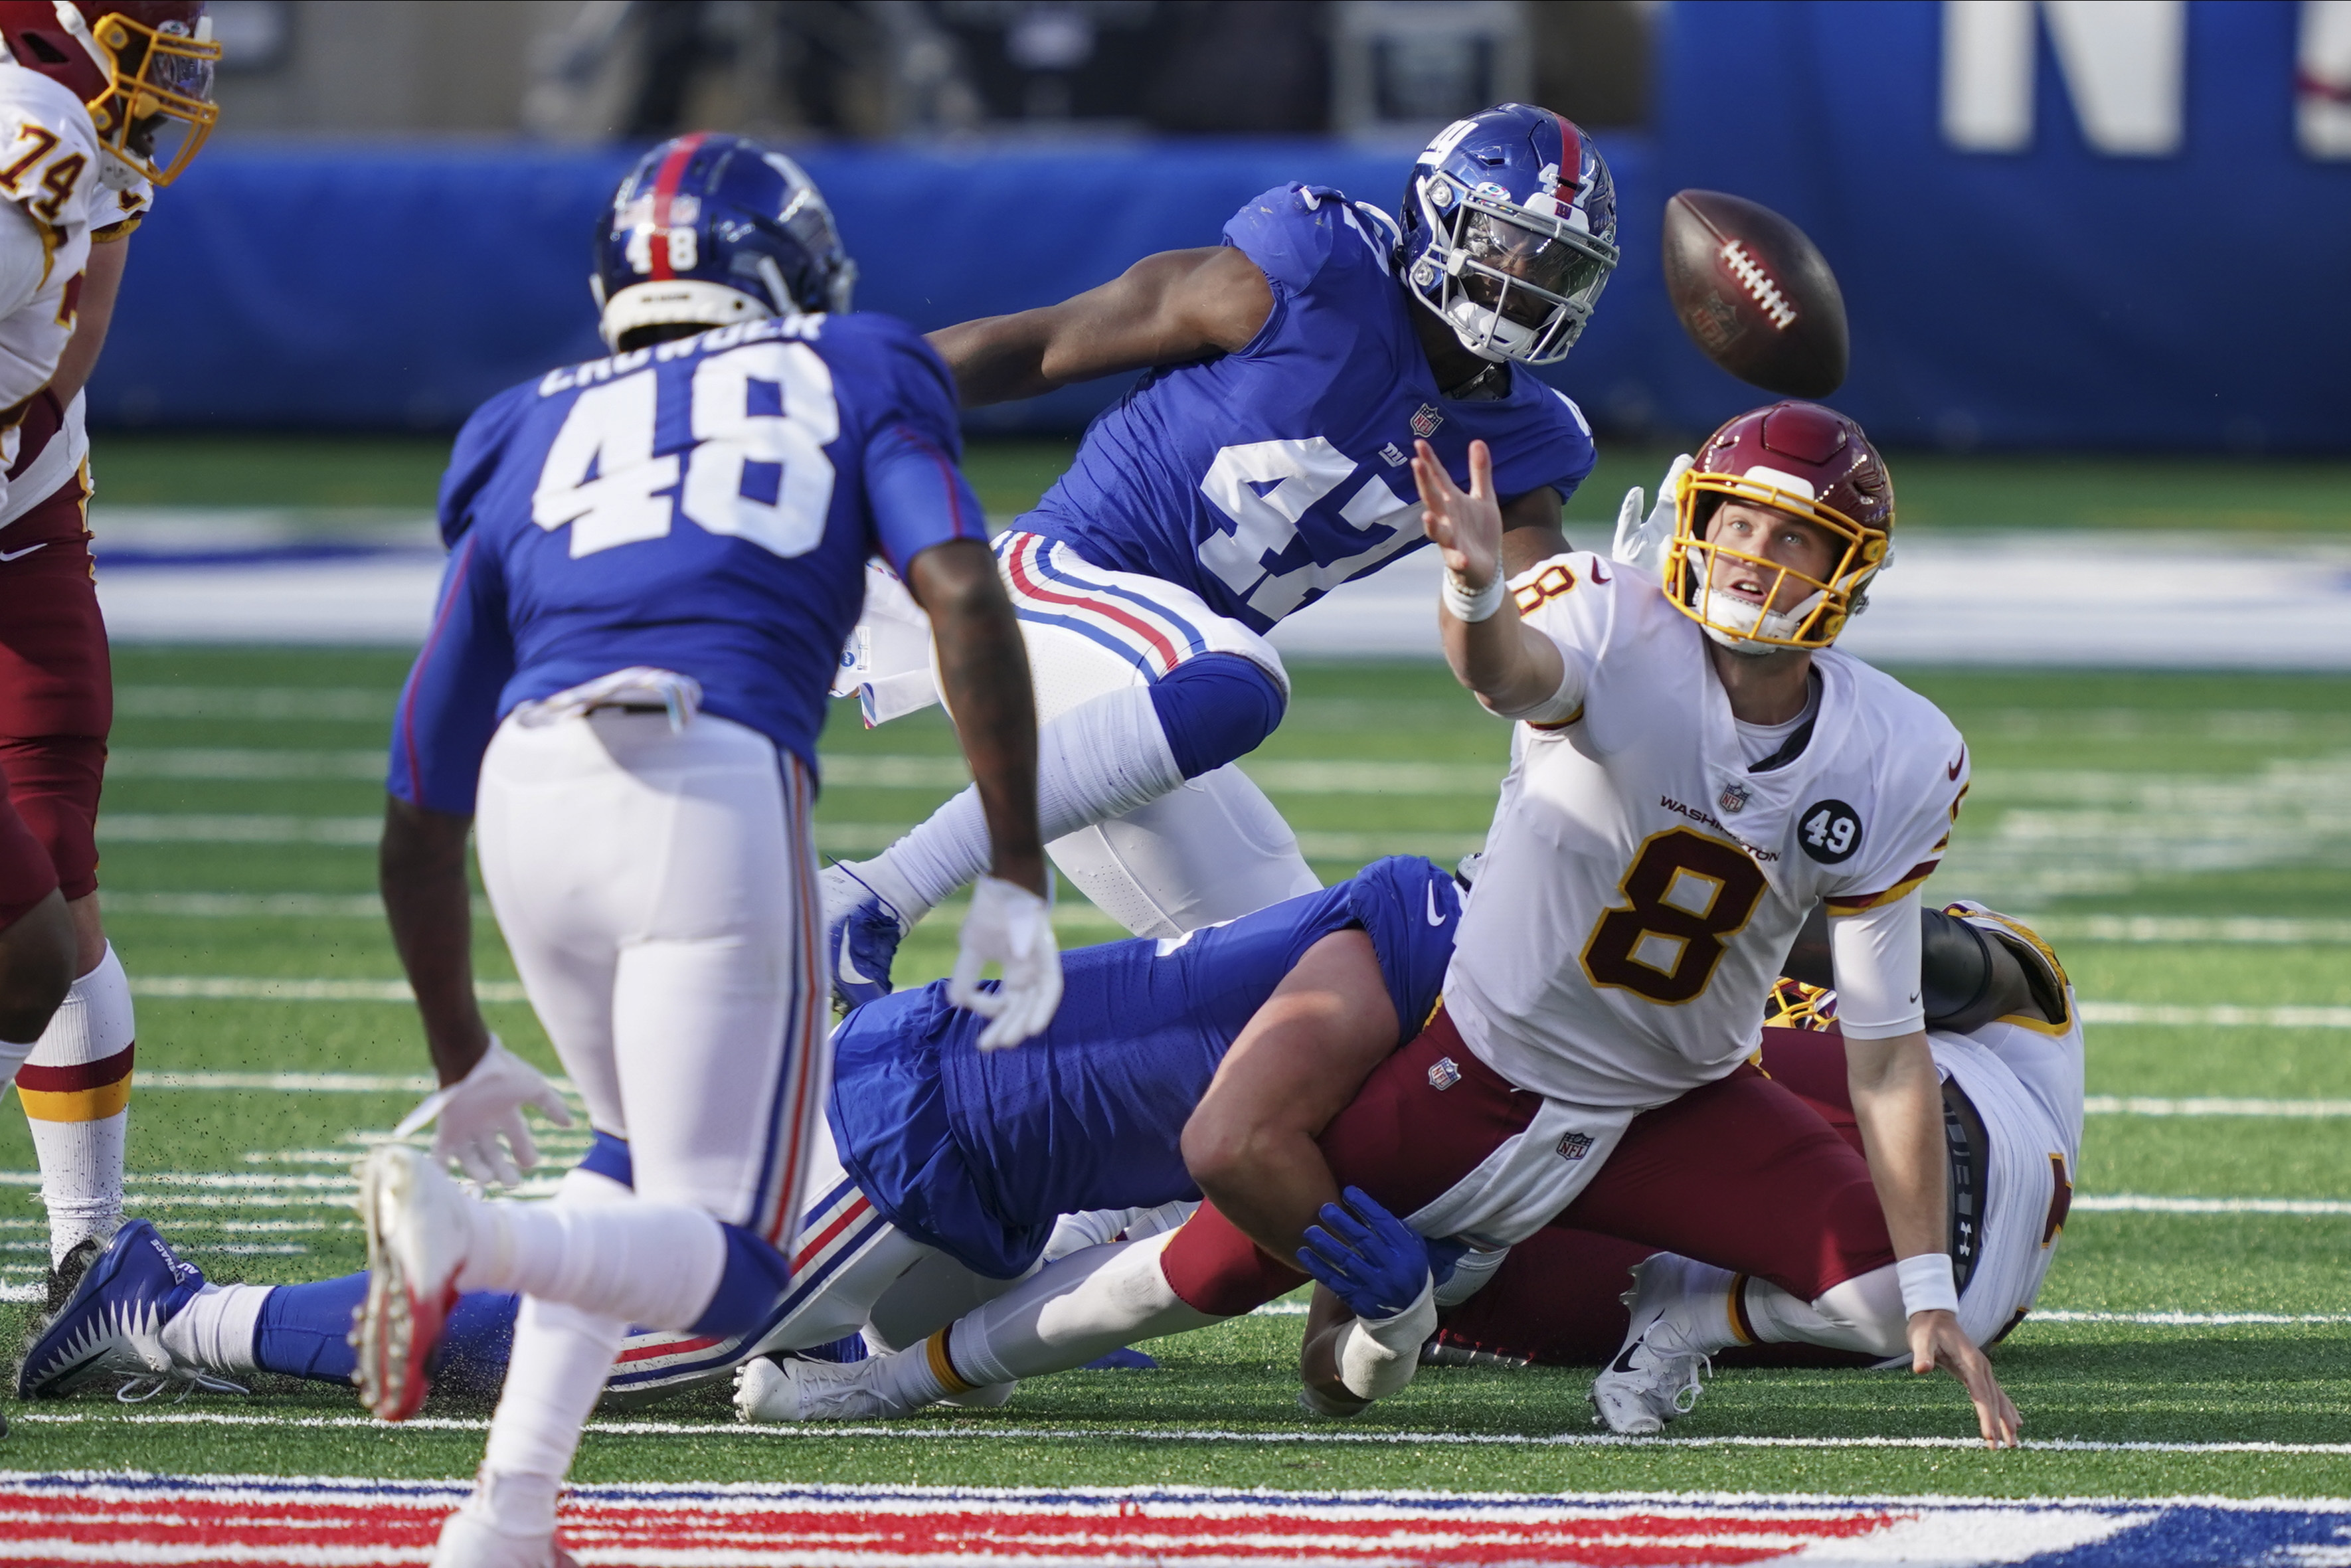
{"x":2230,"y":929}
{"x":2148,"y":1105}
{"x":1010,"y":1430}
{"x":2147,"y":1202}
{"x":2184,"y":1320}
{"x":2221,"y":1015}
{"x":372,"y":703}
{"x":257,"y":988}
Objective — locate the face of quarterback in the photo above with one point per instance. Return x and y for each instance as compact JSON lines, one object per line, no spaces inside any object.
{"x":1767,"y":534}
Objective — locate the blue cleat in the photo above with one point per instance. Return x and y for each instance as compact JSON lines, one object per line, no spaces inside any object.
{"x":112,"y":1324}
{"x":861,"y":933}
{"x":1126,"y":1358}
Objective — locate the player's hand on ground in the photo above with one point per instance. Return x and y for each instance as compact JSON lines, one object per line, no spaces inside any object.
{"x":1010,"y":926}
{"x":1643,"y":531}
{"x":1936,"y":1340}
{"x":480,"y":1117}
{"x":1366,"y":1257}
{"x":1467,"y":526}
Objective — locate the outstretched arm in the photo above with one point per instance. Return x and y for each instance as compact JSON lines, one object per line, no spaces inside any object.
{"x":1513,"y":668}
{"x":1166,"y":309}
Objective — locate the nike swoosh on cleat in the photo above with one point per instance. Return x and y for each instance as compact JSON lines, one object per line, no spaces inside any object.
{"x":1435,"y":918}
{"x":14,"y":554}
{"x":848,"y":968}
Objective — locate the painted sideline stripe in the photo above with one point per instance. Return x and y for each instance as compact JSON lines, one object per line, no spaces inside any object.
{"x":2224,"y":1015}
{"x":919,"y":1431}
{"x":2146,"y":1106}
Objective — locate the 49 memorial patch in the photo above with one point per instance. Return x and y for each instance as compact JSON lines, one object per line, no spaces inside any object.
{"x":135,"y":1519}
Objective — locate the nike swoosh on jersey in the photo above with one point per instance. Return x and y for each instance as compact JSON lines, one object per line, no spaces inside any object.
{"x":1598,"y":575}
{"x":14,"y":554}
{"x":849,"y":970}
{"x":1953,"y":769}
{"x":1435,"y":918}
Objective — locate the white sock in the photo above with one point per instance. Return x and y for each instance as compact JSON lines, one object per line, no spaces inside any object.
{"x":1862,"y":1313}
{"x":76,"y":1090}
{"x":1100,"y":759}
{"x":216,"y":1329}
{"x":1088,"y":1304}
{"x":1700,"y":1312}
{"x":656,"y":1264}
{"x":520,"y":1506}
{"x":561,"y":1356}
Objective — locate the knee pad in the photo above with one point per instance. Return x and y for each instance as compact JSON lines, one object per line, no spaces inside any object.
{"x":1215,"y":708}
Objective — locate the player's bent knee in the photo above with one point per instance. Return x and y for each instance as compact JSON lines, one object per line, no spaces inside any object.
{"x":1868,"y":1310}
{"x":755,"y":1275}
{"x":1215,"y":708}
{"x":36,"y":968}
{"x":1215,"y":1269}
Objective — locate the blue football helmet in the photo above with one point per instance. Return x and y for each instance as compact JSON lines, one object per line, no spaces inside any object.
{"x":710,"y":229}
{"x":1510,"y":232}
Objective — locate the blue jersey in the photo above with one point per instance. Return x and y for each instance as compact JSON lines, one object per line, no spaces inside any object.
{"x":705,"y":505}
{"x":1262,"y":479}
{"x":979,"y":1153}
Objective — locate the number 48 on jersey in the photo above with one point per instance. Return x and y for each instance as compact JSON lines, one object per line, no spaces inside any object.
{"x":760,"y":417}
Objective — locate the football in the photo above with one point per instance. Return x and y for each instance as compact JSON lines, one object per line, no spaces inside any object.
{"x":1755,"y":294}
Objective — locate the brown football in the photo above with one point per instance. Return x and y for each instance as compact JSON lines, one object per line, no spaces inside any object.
{"x":1755,"y":293}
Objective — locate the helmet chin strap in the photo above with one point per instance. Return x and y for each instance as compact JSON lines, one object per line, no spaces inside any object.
{"x":1720,"y":609}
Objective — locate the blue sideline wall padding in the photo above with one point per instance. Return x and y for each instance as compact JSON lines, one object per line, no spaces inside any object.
{"x":363,"y":288}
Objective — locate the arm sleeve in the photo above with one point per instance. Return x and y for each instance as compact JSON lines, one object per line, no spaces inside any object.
{"x":1876,"y":960}
{"x":449,"y":706}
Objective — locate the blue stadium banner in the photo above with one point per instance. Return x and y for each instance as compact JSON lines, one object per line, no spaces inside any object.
{"x":2117,"y":224}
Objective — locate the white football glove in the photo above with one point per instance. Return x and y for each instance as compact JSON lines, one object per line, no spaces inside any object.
{"x":481,"y":1107}
{"x":1009,"y":925}
{"x":1641,"y":540}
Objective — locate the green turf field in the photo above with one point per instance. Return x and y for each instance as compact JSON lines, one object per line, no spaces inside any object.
{"x":2183,"y":836}
{"x":1935,"y":490}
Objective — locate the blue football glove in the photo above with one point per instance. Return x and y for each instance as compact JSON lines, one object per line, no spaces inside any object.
{"x":1369,"y":1258}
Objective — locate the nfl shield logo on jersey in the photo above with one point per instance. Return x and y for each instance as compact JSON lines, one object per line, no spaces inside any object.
{"x":1733,"y":799}
{"x":1575,"y":1146}
{"x":1443,"y":1074}
{"x":1424,"y":422}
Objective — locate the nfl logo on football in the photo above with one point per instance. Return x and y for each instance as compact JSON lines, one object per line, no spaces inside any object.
{"x":1443,"y":1074}
{"x":1575,"y":1146}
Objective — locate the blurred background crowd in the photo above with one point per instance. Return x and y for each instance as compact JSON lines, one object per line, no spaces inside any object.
{"x":590,"y":70}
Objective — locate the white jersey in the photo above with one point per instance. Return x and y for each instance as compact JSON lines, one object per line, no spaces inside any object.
{"x":49,"y":190}
{"x":2024,"y":1078}
{"x":1640,"y":885}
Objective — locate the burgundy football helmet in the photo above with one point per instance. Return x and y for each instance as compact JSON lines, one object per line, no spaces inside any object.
{"x":1809,"y":462}
{"x":143,"y":69}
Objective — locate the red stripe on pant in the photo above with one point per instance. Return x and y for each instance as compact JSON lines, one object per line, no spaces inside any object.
{"x":1740,"y":1173}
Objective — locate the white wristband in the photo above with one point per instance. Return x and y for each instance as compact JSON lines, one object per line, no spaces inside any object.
{"x":1465,"y":603}
{"x":1927,"y":1284}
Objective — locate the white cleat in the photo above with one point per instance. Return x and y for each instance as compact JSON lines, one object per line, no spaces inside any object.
{"x":416,"y":1227}
{"x":790,"y":1390}
{"x":469,"y":1540}
{"x":1656,"y":1376}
